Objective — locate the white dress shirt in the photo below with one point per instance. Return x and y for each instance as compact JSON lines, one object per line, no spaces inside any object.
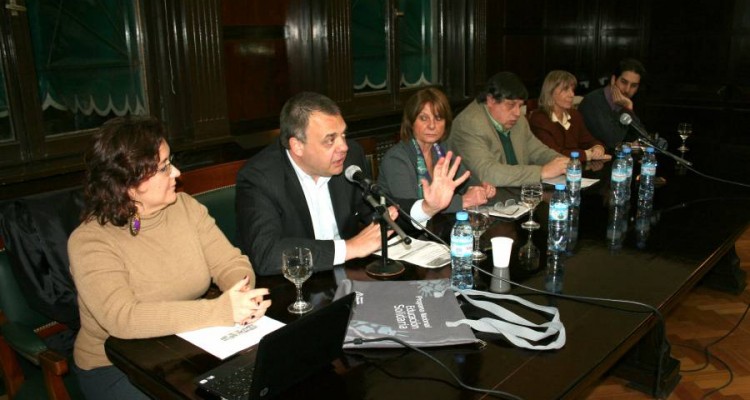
{"x":319,"y":204}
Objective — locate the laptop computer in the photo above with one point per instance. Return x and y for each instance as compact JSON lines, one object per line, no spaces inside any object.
{"x":283,"y":357}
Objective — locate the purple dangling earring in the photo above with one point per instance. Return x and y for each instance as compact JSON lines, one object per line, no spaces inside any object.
{"x":135,"y":224}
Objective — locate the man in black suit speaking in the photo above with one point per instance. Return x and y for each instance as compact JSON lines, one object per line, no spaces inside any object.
{"x":294,"y":193}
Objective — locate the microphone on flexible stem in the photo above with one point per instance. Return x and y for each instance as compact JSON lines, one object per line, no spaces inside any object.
{"x":354,"y":174}
{"x":384,"y":268}
{"x":627,"y":120}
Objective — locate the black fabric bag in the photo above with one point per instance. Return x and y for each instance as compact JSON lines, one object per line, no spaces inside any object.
{"x":35,"y":230}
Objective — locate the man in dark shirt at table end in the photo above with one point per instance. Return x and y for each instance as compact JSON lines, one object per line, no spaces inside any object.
{"x":601,"y":108}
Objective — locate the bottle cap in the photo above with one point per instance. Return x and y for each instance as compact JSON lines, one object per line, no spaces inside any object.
{"x":559,"y":186}
{"x":626,"y":149}
{"x":462,"y":216}
{"x":575,"y":154}
{"x":649,"y":149}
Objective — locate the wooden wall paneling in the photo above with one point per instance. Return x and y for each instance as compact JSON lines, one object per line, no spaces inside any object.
{"x":166,"y":75}
{"x":564,"y":23}
{"x":257,"y":72}
{"x":524,"y":55}
{"x":298,"y":31}
{"x":256,"y":37}
{"x":739,"y":63}
{"x":621,"y":31}
{"x":334,"y":34}
{"x":478,"y":32}
{"x":254,"y":12}
{"x":691,"y":41}
{"x":188,"y":70}
{"x":204,"y":52}
{"x":452,"y":28}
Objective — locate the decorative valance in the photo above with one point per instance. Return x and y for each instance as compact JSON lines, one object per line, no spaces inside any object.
{"x":370,"y":56}
{"x":87,"y":56}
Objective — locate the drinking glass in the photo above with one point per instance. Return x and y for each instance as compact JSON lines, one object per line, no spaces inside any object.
{"x":297,"y":264}
{"x":479,"y":221}
{"x":528,"y":255}
{"x":684,"y":129}
{"x":531,"y":196}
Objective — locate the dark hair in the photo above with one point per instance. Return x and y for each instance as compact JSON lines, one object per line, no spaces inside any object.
{"x":551,"y":82}
{"x":296,"y":113}
{"x":124,"y":153}
{"x":630,"y":64}
{"x":413,"y":106}
{"x":504,"y":86}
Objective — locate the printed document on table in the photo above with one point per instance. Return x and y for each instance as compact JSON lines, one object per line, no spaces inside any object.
{"x":223,"y":341}
{"x":423,"y":253}
{"x":585,"y":182}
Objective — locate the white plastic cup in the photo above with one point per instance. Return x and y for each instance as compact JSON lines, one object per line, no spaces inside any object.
{"x":501,"y":250}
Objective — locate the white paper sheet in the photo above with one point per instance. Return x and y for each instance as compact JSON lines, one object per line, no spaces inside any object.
{"x":223,"y":341}
{"x":585,"y":182}
{"x":511,"y":212}
{"x":423,"y":253}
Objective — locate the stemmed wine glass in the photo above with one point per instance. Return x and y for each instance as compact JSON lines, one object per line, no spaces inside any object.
{"x":479,"y":221}
{"x":531,"y":196}
{"x":528,"y":254}
{"x":297,"y":265}
{"x":684,"y":129}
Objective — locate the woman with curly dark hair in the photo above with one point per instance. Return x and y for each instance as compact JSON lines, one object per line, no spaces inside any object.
{"x":144,"y":255}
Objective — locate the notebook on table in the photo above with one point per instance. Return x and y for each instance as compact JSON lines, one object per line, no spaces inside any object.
{"x":284,"y":357}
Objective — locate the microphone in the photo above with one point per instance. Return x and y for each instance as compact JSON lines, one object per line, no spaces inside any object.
{"x":627,"y":120}
{"x":354,"y":174}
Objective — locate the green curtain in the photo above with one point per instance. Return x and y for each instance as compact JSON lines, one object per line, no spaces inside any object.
{"x":369,"y":53}
{"x":86,"y":56}
{"x":416,"y":42}
{"x":369,"y":44}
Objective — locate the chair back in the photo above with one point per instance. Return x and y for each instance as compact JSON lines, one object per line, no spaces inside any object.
{"x":220,"y":205}
{"x":12,"y":302}
{"x":214,"y":187}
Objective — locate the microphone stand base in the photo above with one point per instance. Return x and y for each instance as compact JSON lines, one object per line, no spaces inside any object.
{"x":384,"y":270}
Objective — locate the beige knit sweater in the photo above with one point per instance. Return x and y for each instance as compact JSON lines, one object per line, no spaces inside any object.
{"x":150,"y":285}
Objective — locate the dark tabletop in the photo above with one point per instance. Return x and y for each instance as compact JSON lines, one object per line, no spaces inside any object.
{"x":654,"y":259}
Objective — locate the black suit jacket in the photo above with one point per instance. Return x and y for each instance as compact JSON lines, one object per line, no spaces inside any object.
{"x":272,"y":213}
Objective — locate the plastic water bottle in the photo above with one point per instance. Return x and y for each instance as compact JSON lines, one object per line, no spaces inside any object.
{"x":648,"y":173}
{"x":619,"y":180}
{"x":462,"y":244}
{"x":554,"y":274}
{"x":573,"y":178}
{"x":628,"y":156}
{"x":557,"y":235}
{"x":617,"y":226}
{"x":642,"y":224}
{"x":573,"y":213}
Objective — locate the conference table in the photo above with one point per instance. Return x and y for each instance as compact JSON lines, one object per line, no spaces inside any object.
{"x":654,"y":258}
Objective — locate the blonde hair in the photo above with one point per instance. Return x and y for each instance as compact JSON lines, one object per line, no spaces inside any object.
{"x":552,"y":81}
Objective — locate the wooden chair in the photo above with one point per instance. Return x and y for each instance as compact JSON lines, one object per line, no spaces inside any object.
{"x":22,"y":331}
